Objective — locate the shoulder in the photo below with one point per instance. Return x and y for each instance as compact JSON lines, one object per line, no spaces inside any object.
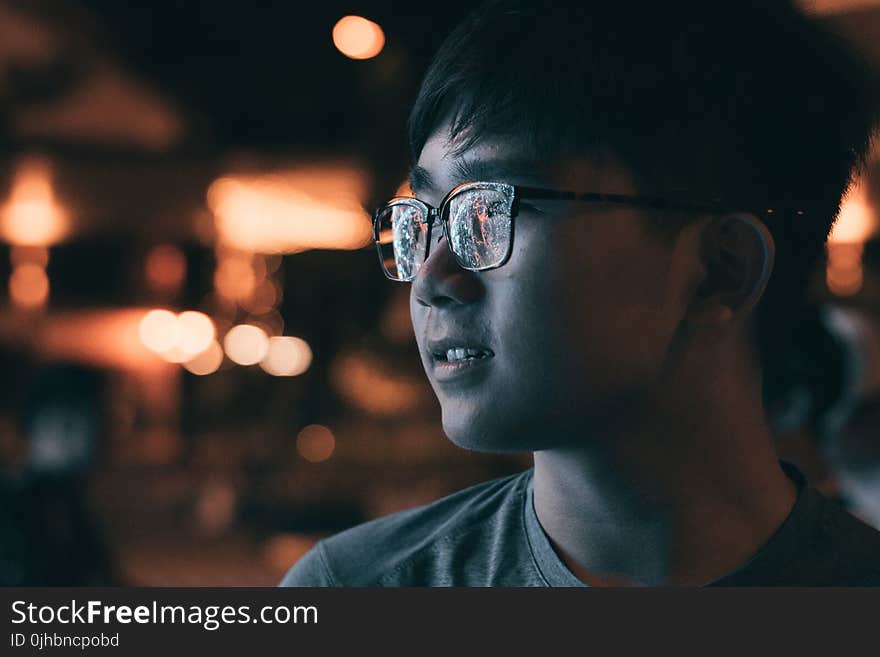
{"x":376,"y":552}
{"x":854,"y":547}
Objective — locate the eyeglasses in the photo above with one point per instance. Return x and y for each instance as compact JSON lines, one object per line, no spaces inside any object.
{"x":477,"y":220}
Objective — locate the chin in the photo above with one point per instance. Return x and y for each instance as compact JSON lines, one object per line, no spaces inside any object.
{"x":485,"y":435}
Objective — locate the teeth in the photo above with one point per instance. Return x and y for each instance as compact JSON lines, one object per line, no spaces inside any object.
{"x":462,"y":353}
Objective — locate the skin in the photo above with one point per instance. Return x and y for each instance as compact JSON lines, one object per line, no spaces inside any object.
{"x":621,"y":361}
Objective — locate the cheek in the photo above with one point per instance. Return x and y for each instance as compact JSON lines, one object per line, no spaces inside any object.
{"x":607,"y":301}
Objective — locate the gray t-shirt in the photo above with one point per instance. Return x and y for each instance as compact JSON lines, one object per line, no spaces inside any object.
{"x":489,"y":535}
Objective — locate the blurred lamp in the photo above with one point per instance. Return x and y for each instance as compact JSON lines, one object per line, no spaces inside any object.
{"x":287,"y":356}
{"x":358,"y":38}
{"x":246,"y":344}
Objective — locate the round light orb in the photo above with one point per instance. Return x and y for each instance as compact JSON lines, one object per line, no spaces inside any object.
{"x":246,"y":344}
{"x":196,"y":332}
{"x":287,"y":356}
{"x":315,"y":443}
{"x":358,"y":38}
{"x":29,"y":285}
{"x":207,"y":362}
{"x":159,"y":330}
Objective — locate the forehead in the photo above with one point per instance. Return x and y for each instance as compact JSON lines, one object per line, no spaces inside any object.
{"x":443,"y":164}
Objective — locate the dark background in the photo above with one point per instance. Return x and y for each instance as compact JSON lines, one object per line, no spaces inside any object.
{"x":121,"y":468}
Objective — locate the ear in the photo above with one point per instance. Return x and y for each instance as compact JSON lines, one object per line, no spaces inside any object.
{"x":736,"y":254}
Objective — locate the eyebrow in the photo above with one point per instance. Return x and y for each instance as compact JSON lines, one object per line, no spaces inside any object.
{"x":502,"y":170}
{"x":420,"y":179}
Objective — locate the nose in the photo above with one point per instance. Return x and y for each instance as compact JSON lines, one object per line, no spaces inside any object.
{"x":440,"y":282}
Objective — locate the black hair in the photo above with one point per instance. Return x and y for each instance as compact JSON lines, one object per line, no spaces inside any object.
{"x":748,"y":103}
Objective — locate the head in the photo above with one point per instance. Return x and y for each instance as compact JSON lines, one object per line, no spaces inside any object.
{"x":744,"y":106}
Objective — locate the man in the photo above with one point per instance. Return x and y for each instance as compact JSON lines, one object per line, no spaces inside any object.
{"x":602,"y":193}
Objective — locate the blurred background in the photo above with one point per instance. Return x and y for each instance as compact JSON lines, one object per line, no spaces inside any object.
{"x":202,"y":368}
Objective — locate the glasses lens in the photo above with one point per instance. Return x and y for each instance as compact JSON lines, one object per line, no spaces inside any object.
{"x":479,"y":228}
{"x":403,"y":233}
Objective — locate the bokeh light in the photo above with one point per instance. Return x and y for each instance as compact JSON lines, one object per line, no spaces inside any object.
{"x":287,"y":356}
{"x":358,"y":38}
{"x":37,"y":255}
{"x":264,"y":297}
{"x":196,"y":332}
{"x":207,"y":362}
{"x":246,"y":344}
{"x":844,"y":273}
{"x":315,"y":443}
{"x":29,"y":285}
{"x":159,"y":330}
{"x":315,"y":207}
{"x":855,"y":221}
{"x":165,"y":268}
{"x":234,"y":277}
{"x":32,"y":216}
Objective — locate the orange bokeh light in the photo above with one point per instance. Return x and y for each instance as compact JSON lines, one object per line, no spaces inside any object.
{"x":315,"y":443}
{"x":29,"y":285}
{"x":176,"y":338}
{"x":246,"y":344}
{"x":287,"y":356}
{"x":358,"y":38}
{"x":315,"y":207}
{"x":196,"y":332}
{"x":207,"y":362}
{"x":360,"y":378}
{"x":856,"y":220}
{"x":165,"y":268}
{"x":159,"y":330}
{"x":32,"y":216}
{"x":844,"y":273}
{"x":38,"y":255}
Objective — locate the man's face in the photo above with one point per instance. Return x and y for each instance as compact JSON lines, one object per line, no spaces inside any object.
{"x":578,"y":322}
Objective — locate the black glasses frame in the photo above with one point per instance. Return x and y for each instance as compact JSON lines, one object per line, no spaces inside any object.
{"x":441,"y":212}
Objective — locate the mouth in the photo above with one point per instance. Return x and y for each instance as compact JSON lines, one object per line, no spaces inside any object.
{"x":452,"y":359}
{"x":462,"y":354}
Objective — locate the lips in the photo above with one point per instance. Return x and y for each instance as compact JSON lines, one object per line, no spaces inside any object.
{"x":452,"y":357}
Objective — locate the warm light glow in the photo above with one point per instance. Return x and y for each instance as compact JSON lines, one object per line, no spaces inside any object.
{"x":855,"y":220}
{"x":208,"y":361}
{"x":246,"y":344}
{"x":106,"y":338}
{"x":196,"y":332}
{"x":319,"y":207}
{"x":358,"y":38}
{"x":315,"y":443}
{"x":159,"y":330}
{"x":234,"y":278}
{"x":287,"y":356}
{"x":165,"y":268}
{"x":37,"y":255}
{"x":31,"y":216}
{"x":263,"y":299}
{"x":844,"y":273}
{"x":175,"y":355}
{"x":272,"y":323}
{"x":363,"y":381}
{"x":29,"y":285}
{"x":177,"y":338}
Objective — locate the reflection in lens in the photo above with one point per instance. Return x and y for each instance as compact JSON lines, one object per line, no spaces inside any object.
{"x":410,"y":232}
{"x":402,"y":236}
{"x":480,"y":226}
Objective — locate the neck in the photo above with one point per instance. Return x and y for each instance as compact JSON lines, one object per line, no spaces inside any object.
{"x":681,"y":494}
